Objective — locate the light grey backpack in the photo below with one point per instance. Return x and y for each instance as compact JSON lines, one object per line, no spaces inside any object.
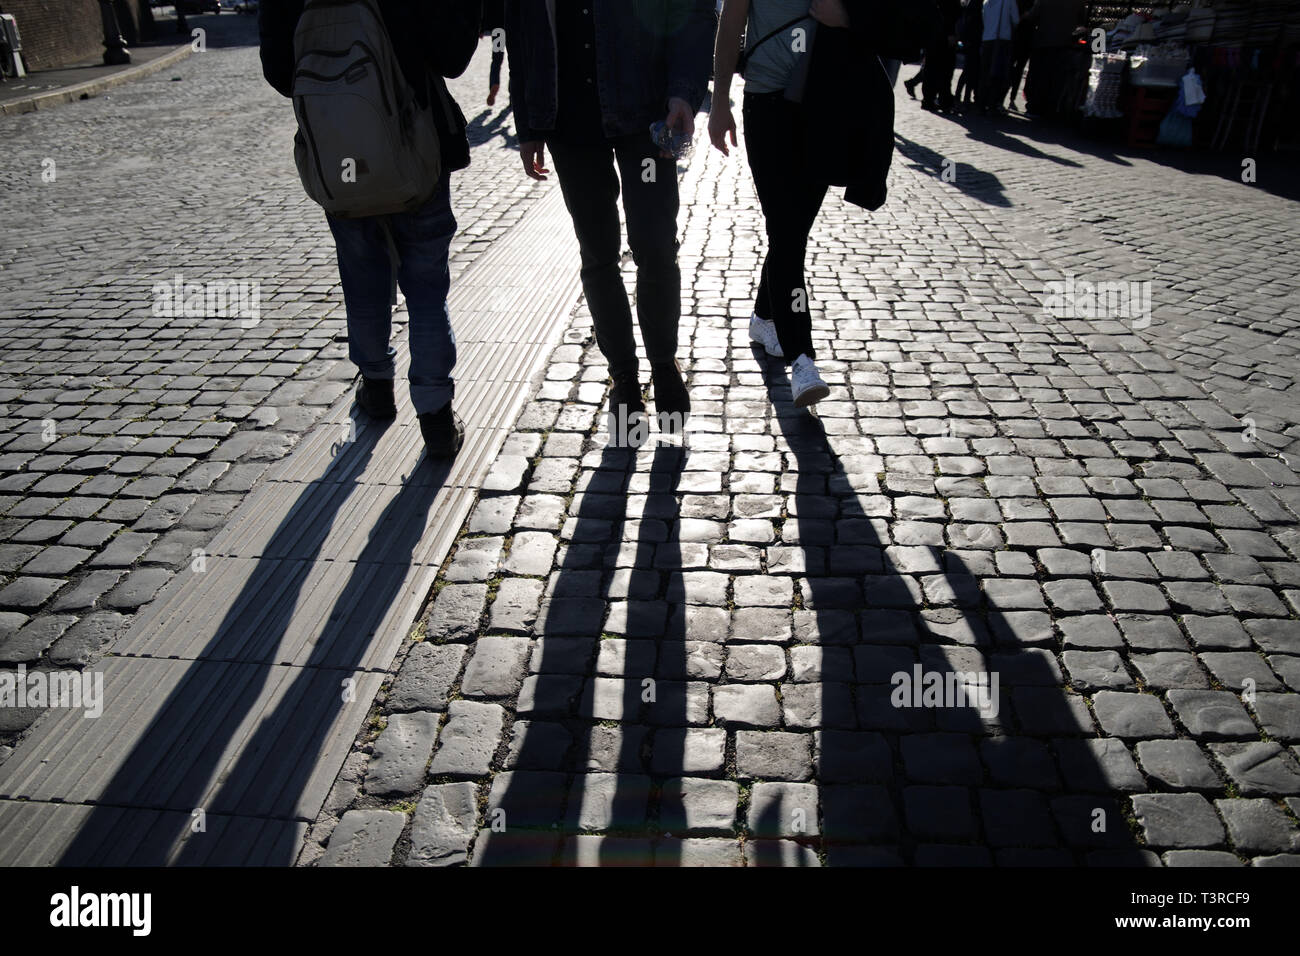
{"x":364,"y":146}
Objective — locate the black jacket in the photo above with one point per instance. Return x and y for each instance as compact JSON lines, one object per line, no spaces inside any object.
{"x":431,"y":39}
{"x":855,"y":147}
{"x":647,"y":51}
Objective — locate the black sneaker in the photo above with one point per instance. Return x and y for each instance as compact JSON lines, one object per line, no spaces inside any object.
{"x":672,"y":401}
{"x":375,"y":397}
{"x":626,"y":419}
{"x":443,"y":432}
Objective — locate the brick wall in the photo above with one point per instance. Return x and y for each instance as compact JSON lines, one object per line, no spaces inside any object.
{"x":62,"y":32}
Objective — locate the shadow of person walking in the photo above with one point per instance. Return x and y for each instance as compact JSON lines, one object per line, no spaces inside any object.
{"x":206,"y":747}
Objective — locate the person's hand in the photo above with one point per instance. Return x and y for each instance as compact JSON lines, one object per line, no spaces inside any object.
{"x":533,"y":155}
{"x":721,"y":122}
{"x":829,"y":12}
{"x":681,"y":119}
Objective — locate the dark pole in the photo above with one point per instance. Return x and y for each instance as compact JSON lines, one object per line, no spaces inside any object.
{"x":115,"y":50}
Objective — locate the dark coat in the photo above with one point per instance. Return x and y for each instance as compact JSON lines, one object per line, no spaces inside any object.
{"x":854,"y":147}
{"x":494,"y":15}
{"x":646,"y":52}
{"x":431,"y":40}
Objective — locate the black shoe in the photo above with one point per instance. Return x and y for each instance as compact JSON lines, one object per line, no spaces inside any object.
{"x":628,"y":427}
{"x":443,"y":432}
{"x":672,"y":401}
{"x":625,"y":397}
{"x":375,"y":397}
{"x":910,"y":86}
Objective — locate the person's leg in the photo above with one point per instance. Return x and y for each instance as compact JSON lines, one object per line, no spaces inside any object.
{"x":590,"y":187}
{"x":1018,"y":62}
{"x":494,"y":73}
{"x":790,"y":203}
{"x":971,"y":75}
{"x":1001,"y":72}
{"x":366,"y":273}
{"x":945,"y":99}
{"x":423,"y":239}
{"x":982,"y":96}
{"x":917,"y":77}
{"x":1035,"y":81}
{"x":650,"y":201}
{"x":930,"y":82}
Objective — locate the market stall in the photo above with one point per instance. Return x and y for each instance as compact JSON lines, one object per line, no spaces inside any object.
{"x":1217,"y":74}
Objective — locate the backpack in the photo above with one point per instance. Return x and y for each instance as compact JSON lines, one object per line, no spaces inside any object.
{"x":364,"y":147}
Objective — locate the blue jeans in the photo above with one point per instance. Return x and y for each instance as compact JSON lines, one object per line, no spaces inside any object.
{"x":421,"y":239}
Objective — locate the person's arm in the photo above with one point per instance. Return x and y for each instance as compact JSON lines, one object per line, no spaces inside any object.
{"x":454,"y":36}
{"x":691,"y":28}
{"x":532,"y":151}
{"x":276,"y":20}
{"x":831,"y":13}
{"x":726,"y":56}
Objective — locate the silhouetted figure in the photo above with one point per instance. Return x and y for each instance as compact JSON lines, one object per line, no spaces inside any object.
{"x":971,"y":31}
{"x":494,"y":19}
{"x":941,"y":59}
{"x":1049,"y":62}
{"x":587,"y":81}
{"x":1000,"y":19}
{"x":1022,"y":44}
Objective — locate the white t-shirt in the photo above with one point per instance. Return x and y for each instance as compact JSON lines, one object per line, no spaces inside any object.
{"x":771,"y":64}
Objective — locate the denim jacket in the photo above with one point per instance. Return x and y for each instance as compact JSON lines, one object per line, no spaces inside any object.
{"x":647,"y":51}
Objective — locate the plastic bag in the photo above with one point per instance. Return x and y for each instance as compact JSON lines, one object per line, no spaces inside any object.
{"x":1192,"y":92}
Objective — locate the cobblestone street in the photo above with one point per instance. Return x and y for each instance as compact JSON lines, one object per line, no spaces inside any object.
{"x":129,"y":438}
{"x":691,"y":654}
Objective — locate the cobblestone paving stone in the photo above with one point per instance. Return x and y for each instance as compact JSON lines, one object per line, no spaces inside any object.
{"x":1224,"y":281}
{"x":689,"y":658}
{"x":126,"y":438}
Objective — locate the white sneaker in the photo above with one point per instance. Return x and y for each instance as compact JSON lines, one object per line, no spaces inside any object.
{"x":806,"y":383}
{"x":763,"y":331}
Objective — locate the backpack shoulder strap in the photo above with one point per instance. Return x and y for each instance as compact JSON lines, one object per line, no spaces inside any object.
{"x":748,"y":51}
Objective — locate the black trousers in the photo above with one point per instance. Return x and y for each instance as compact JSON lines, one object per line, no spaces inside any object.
{"x":589,"y":172}
{"x":774,"y":142}
{"x":936,"y":85}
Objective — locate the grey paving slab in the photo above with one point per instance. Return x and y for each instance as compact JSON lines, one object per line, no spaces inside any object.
{"x":50,"y":834}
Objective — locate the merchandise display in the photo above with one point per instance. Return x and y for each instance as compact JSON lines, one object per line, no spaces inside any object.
{"x":1244,"y":55}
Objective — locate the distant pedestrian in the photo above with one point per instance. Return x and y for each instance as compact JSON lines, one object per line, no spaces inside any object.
{"x":379,"y":136}
{"x":971,"y":31}
{"x":587,"y":81}
{"x":1000,"y":19}
{"x":1022,"y":44}
{"x":494,"y":24}
{"x":941,"y":59}
{"x":1049,"y":62}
